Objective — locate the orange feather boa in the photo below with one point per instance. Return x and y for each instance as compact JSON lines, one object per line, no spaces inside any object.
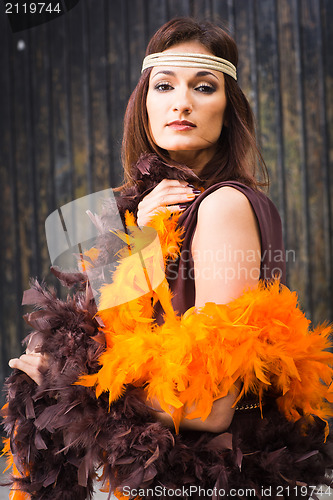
{"x":262,"y":338}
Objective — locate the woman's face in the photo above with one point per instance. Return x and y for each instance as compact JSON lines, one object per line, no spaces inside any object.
{"x":186,"y":108}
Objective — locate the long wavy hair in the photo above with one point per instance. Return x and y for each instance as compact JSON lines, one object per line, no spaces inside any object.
{"x":237,"y":156}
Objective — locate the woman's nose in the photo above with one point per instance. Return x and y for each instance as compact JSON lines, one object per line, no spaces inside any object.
{"x":183,"y":102}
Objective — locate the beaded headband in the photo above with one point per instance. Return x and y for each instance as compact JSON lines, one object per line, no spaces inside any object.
{"x":190,"y":60}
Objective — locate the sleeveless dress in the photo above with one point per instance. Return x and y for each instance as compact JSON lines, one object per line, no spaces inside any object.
{"x":180,"y":273}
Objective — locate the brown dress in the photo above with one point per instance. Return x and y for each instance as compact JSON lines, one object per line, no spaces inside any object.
{"x":180,"y":272}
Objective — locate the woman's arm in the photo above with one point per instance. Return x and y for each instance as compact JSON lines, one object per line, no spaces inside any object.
{"x":226,"y":247}
{"x":217,"y":421}
{"x":226,"y":252}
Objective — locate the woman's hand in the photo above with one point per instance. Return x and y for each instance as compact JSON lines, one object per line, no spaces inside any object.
{"x":33,"y":363}
{"x":168,"y":194}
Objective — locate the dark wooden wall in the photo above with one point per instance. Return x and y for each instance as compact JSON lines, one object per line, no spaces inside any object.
{"x":64,"y":87}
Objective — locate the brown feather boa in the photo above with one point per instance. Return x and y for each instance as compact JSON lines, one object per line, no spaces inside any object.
{"x":61,"y":435}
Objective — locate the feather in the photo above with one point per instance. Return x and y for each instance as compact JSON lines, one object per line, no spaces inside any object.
{"x":221,"y":442}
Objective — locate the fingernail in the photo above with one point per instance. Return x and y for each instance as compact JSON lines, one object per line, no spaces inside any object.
{"x":191,"y":196}
{"x":183,"y":206}
{"x":10,"y":363}
{"x":196,"y":191}
{"x":191,"y":186}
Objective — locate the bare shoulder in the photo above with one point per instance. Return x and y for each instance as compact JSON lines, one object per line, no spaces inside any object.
{"x":223,"y":203}
{"x":226,"y":220}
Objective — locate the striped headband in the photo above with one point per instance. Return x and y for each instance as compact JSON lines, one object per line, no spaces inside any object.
{"x":190,"y":60}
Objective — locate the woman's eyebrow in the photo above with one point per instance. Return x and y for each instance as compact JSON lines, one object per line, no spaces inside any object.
{"x":164,"y":72}
{"x":205,"y":73}
{"x":172,"y":73}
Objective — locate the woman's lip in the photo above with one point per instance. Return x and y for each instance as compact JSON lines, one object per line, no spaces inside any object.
{"x":181,"y":125}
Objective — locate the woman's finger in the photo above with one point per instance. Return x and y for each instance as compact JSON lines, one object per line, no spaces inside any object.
{"x":165,"y":188}
{"x":34,"y":360}
{"x":171,"y":198}
{"x":32,"y":371}
{"x":144,"y":218}
{"x":34,"y":365}
{"x":173,"y":183}
{"x":168,"y":193}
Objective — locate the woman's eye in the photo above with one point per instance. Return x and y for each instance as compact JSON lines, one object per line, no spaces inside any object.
{"x":206,"y":89}
{"x":163,"y":87}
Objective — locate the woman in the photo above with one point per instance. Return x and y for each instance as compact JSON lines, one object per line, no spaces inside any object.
{"x":188,"y":149}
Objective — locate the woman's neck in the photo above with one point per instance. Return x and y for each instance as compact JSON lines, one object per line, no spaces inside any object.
{"x":195,"y":160}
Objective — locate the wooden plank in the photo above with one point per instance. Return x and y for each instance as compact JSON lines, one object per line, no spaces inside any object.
{"x":60,"y":95}
{"x":4,"y":191}
{"x":15,"y":266}
{"x":119,"y":82}
{"x":137,"y":38}
{"x":303,"y":172}
{"x":245,"y":39}
{"x":96,"y":67}
{"x":223,"y":14}
{"x":49,"y":124}
{"x":177,"y":8}
{"x":24,"y":153}
{"x":109,"y":177}
{"x":63,"y":173}
{"x":30,"y":186}
{"x":289,"y":84}
{"x":10,"y":265}
{"x":202,"y":9}
{"x":267,"y":104}
{"x":326,"y":94}
{"x":87,"y":96}
{"x":265,"y":56}
{"x":253,"y":52}
{"x":78,"y":87}
{"x":157,"y":15}
{"x":314,"y":137}
{"x":39,"y":157}
{"x":280,"y":158}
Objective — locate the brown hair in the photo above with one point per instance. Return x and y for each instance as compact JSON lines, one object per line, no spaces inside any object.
{"x":237,"y":155}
